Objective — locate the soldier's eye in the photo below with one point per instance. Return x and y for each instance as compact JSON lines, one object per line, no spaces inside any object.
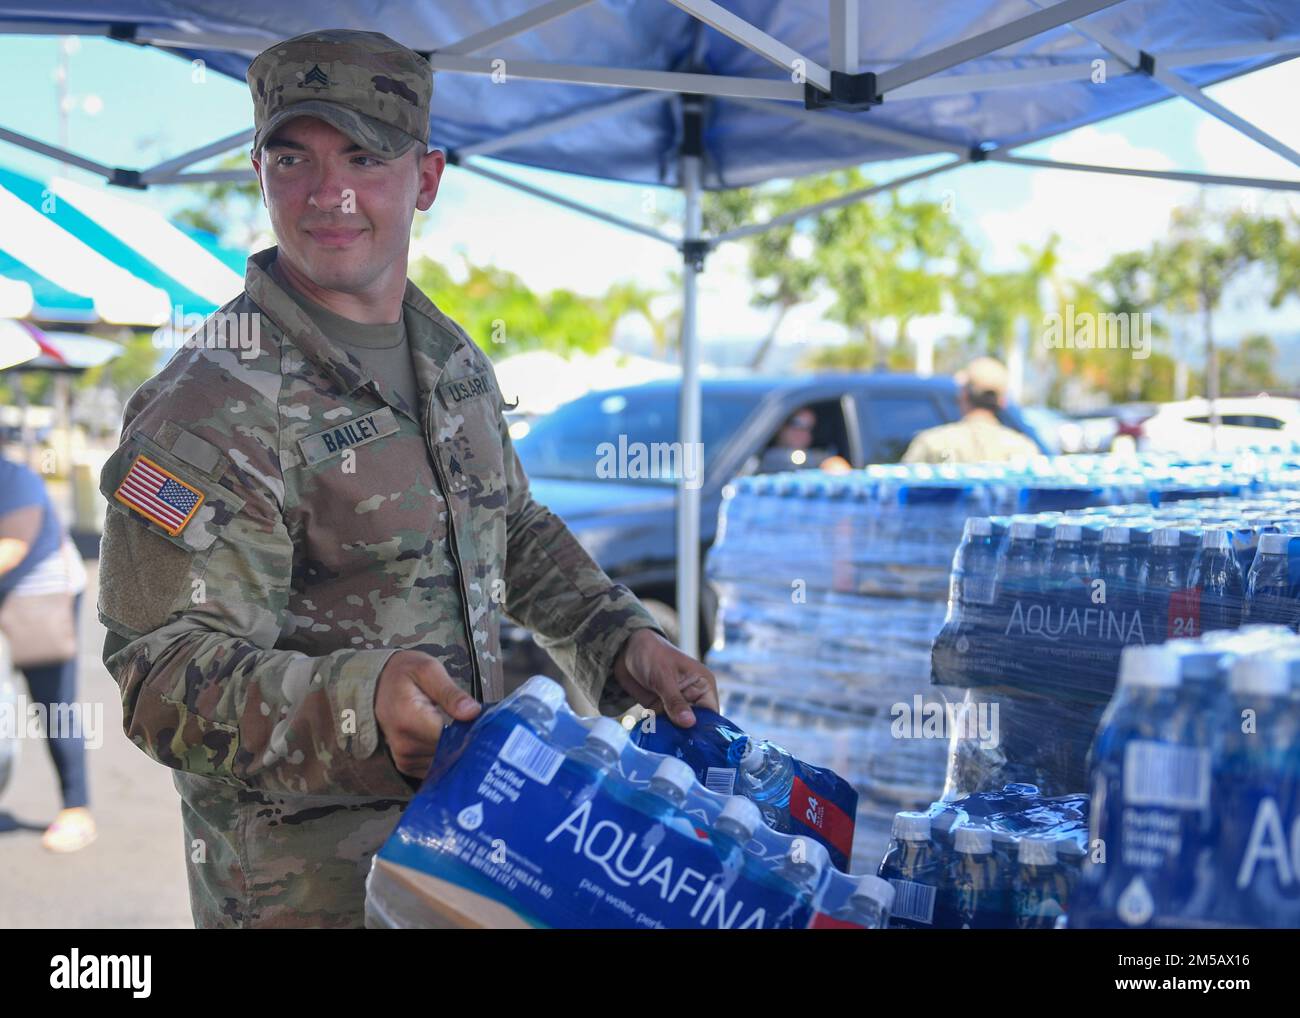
{"x":280,"y":160}
{"x":372,"y":160}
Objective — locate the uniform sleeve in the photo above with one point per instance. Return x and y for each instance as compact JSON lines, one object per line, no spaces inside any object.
{"x":194,"y":616}
{"x":918,"y":450}
{"x":553,"y":587}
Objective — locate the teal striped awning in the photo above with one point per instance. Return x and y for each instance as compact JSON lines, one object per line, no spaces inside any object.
{"x":71,"y":252}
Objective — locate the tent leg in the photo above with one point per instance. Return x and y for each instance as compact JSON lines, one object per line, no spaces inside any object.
{"x":688,"y":490}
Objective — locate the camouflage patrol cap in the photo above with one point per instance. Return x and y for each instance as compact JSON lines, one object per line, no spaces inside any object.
{"x":371,"y":88}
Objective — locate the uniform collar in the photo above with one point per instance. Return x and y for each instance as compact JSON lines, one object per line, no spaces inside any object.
{"x":432,"y":336}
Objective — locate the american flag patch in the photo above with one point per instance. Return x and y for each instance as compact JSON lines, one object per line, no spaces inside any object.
{"x":159,"y":495}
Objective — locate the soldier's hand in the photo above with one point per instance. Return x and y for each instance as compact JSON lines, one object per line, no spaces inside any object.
{"x":661,"y":677}
{"x":414,"y":700}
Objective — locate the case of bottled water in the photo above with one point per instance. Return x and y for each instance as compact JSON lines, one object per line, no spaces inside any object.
{"x":1006,"y":859}
{"x":1195,"y":778}
{"x":533,"y":817}
{"x":794,"y":797}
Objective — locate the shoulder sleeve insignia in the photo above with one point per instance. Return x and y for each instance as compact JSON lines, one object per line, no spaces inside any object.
{"x":158,"y":495}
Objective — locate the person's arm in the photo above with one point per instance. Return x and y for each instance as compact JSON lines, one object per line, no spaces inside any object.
{"x":553,"y":587}
{"x":18,"y":529}
{"x":193,"y":618}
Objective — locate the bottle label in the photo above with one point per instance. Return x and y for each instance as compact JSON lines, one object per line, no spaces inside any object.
{"x":1184,"y":613}
{"x":1158,"y":774}
{"x":721,"y":780}
{"x":914,"y":901}
{"x":829,"y":823}
{"x":531,"y":755}
{"x":978,"y":589}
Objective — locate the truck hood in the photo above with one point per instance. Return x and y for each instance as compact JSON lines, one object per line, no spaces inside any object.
{"x":573,"y":501}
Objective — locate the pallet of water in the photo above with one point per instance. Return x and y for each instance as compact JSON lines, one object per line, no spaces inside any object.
{"x":1041,"y":607}
{"x":832,"y":590}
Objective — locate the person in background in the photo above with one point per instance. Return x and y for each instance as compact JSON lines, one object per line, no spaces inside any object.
{"x":791,"y":449}
{"x":979,"y":437}
{"x":37,"y":557}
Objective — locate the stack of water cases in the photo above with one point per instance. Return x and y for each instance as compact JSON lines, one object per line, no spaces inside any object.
{"x":532,"y":816}
{"x":832,"y":590}
{"x":1196,"y":787}
{"x":1009,"y":859}
{"x":1042,"y":606}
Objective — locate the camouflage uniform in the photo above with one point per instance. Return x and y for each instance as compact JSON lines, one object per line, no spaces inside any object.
{"x":329,"y":524}
{"x":970,"y":440}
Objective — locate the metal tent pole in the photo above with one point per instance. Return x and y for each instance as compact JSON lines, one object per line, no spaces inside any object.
{"x":688,"y":495}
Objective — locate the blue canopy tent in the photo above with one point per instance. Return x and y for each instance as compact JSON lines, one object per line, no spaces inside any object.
{"x":700,"y":95}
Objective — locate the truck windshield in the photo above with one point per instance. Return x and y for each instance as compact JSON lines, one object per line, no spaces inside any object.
{"x":629,"y":435}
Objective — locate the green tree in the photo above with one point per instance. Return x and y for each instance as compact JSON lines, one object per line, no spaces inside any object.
{"x":1204,"y":252}
{"x":781,"y":263}
{"x":1248,"y":367}
{"x":886,"y":261}
{"x":505,"y":316}
{"x":229,"y":210}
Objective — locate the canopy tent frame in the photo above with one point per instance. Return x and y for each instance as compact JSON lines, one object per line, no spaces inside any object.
{"x":842,"y":85}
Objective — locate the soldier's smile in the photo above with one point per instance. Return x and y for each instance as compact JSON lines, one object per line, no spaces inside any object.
{"x":334,"y":238}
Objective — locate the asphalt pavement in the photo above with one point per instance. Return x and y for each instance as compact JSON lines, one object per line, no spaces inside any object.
{"x":133,"y":875}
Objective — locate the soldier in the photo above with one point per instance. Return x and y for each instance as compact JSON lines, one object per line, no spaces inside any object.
{"x":979,"y":437}
{"x":316,"y":519}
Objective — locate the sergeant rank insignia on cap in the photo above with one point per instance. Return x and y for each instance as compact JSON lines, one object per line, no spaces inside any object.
{"x":158,"y":495}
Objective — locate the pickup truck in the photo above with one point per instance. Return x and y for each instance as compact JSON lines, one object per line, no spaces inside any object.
{"x":628,"y":522}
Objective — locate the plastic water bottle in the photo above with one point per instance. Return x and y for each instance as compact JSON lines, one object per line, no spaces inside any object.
{"x":912,"y":867}
{"x":1039,"y":888}
{"x":1120,"y":569}
{"x":1216,"y":578}
{"x":1257,"y":785}
{"x":1269,"y":594}
{"x":1069,"y":559}
{"x":765,"y":775}
{"x":732,"y":831}
{"x":1115,"y":559}
{"x":974,"y":567}
{"x":665,"y":796}
{"x":603,"y":745}
{"x":869,"y":904}
{"x":537,"y":701}
{"x":1019,"y":564}
{"x":598,"y":755}
{"x":802,"y":868}
{"x":1162,"y":581}
{"x":1151,"y":784}
{"x":974,"y":891}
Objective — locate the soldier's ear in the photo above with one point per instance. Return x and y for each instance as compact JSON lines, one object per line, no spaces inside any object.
{"x":431,"y":165}
{"x":256,"y":158}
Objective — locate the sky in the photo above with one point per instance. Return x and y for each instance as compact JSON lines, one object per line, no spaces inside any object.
{"x":132,"y":106}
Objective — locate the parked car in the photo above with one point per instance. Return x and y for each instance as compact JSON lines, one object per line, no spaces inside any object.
{"x":1244,"y":423}
{"x":1060,"y":433}
{"x":628,"y":522}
